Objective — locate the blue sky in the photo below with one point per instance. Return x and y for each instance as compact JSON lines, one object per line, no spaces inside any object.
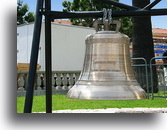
{"x":157,"y":21}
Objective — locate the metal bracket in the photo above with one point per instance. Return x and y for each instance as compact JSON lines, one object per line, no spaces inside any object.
{"x":109,"y":16}
{"x":107,"y":13}
{"x":104,"y":15}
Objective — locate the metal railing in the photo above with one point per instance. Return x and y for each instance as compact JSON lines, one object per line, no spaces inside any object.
{"x":145,"y":65}
{"x":161,"y":77}
{"x":62,"y":81}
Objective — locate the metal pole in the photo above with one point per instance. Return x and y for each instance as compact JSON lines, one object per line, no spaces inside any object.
{"x":151,"y":75}
{"x":121,"y":5}
{"x":149,"y":6}
{"x":48,"y":58}
{"x":34,"y":58}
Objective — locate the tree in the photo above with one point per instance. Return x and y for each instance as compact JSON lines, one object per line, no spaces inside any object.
{"x":23,"y":15}
{"x":95,"y":5}
{"x":143,"y":44}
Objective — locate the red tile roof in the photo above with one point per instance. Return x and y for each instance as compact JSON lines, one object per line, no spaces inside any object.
{"x":67,"y":22}
{"x":159,"y":33}
{"x":157,"y":30}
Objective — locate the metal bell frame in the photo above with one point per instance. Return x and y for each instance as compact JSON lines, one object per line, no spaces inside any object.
{"x":51,"y":15}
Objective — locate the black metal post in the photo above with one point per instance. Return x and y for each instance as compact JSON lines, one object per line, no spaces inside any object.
{"x":48,"y":58}
{"x":34,"y":58}
{"x":143,"y":44}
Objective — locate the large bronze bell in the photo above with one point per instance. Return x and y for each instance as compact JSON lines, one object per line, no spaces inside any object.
{"x":107,"y":73}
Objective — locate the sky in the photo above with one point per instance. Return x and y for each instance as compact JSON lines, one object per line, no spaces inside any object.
{"x":157,"y":21}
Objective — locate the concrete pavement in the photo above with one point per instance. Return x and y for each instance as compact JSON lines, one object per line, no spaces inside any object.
{"x":116,"y":110}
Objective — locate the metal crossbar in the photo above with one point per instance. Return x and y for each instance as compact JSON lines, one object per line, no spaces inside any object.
{"x":99,"y":14}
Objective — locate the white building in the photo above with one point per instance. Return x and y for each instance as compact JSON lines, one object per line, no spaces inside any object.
{"x":68,"y":45}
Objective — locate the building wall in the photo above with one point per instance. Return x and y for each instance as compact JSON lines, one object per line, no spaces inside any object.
{"x":160,"y":42}
{"x":68,"y":46}
{"x":24,"y":42}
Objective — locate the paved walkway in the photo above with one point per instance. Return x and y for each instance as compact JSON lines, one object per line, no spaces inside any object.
{"x":116,"y":110}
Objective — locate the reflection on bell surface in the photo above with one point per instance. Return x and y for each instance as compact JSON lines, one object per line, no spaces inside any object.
{"x":107,"y":73}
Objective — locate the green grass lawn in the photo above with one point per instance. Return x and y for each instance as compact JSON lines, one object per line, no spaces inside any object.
{"x":60,"y":102}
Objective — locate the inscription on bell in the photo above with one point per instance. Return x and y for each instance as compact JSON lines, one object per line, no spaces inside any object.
{"x":105,"y":62}
{"x":106,"y":49}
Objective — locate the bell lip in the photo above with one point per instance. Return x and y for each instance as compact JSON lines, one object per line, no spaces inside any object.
{"x":97,"y":93}
{"x":121,"y":99}
{"x":100,"y":98}
{"x":143,"y":97}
